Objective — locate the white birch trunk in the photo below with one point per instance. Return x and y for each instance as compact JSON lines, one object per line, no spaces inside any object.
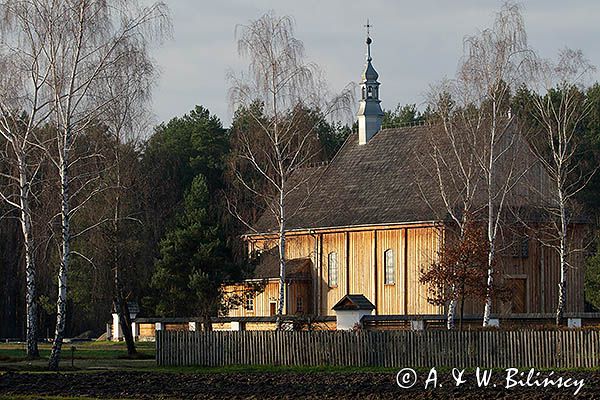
{"x":30,"y":270}
{"x":61,"y":302}
{"x":450,"y":317}
{"x":282,"y":264}
{"x":487,"y":311}
{"x":562,"y":284}
{"x":490,"y":282}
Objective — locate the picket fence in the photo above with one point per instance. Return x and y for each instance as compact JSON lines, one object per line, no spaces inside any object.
{"x":394,"y":349}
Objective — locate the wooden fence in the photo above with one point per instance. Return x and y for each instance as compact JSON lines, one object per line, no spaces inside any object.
{"x":396,"y":349}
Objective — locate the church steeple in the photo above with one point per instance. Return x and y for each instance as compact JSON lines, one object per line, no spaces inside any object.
{"x":370,"y":114}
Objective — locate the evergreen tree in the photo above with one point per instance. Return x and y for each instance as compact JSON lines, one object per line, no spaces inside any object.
{"x":193,"y":261}
{"x":404,"y":115}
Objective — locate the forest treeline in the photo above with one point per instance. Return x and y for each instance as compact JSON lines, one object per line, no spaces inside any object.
{"x":175,"y":186}
{"x":178,"y":181}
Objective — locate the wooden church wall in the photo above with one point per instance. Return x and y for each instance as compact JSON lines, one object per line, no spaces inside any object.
{"x":391,"y":298}
{"x":361,"y":266}
{"x":262,"y":300}
{"x":361,"y":270}
{"x":329,"y":296}
{"x":540,"y":272}
{"x":423,"y":247}
{"x":270,"y":294}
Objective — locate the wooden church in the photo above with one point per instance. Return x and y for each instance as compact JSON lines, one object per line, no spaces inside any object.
{"x":366,"y":229}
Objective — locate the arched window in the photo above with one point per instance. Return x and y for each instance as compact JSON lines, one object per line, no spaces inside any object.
{"x":369,"y":92}
{"x":332,"y":269}
{"x":250,"y":301}
{"x":390,"y":267}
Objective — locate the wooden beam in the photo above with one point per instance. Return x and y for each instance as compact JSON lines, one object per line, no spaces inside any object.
{"x":405,"y":270}
{"x":315,"y":276}
{"x":320,"y":278}
{"x":343,"y":229}
{"x":542,"y":280}
{"x":375,"y":282}
{"x":347,"y":262}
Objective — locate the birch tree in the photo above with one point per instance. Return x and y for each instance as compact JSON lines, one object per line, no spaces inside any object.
{"x":560,"y":109}
{"x":24,"y":107}
{"x":282,"y":83}
{"x":496,"y":62}
{"x":450,"y":162}
{"x":85,"y":40}
{"x":476,"y":152}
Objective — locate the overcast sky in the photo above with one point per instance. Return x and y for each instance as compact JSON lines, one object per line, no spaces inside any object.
{"x":415,"y":43}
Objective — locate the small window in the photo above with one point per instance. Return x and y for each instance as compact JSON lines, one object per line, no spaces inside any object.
{"x":250,"y":302}
{"x":370,"y":92}
{"x":520,"y":247}
{"x":525,"y":248}
{"x":363,"y":92}
{"x":332,"y":269}
{"x":390,"y":267}
{"x":299,"y":305}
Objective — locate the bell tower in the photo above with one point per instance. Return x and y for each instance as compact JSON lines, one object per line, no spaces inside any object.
{"x":370,"y":115}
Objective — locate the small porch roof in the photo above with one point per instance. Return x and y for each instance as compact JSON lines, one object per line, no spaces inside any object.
{"x":353,"y":302}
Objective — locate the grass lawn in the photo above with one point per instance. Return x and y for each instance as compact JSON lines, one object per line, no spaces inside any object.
{"x":86,"y":356}
{"x":83,"y":350}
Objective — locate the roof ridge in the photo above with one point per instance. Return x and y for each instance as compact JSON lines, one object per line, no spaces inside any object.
{"x":409,"y":124}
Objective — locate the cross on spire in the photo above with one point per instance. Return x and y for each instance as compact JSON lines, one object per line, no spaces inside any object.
{"x":368,"y":26}
{"x":369,"y":41}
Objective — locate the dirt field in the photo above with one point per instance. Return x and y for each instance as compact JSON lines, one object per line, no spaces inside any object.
{"x":268,"y":385}
{"x":101,"y":371}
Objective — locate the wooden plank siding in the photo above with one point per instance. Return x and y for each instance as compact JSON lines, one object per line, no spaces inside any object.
{"x":423,"y":248}
{"x":147,"y":330}
{"x":541,"y":272}
{"x":333,"y":242}
{"x":361,"y":270}
{"x":391,"y":297}
{"x":361,"y":273}
{"x":261,"y":300}
{"x":270,"y":294}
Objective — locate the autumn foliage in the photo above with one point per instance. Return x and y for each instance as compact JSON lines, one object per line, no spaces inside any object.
{"x":461,"y":270}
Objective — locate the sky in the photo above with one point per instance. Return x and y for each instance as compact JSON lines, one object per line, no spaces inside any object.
{"x":415,"y":43}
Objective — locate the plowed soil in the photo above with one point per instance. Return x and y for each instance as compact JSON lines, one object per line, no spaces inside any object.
{"x":152,"y":385}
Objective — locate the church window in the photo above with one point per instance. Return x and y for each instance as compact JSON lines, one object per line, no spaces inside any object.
{"x":250,"y":302}
{"x":370,"y":92}
{"x":520,"y":246}
{"x":332,"y":269}
{"x":390,"y":267}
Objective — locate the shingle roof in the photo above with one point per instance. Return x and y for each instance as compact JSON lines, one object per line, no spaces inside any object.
{"x":268,"y":266}
{"x":367,"y":184}
{"x":353,"y":302}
